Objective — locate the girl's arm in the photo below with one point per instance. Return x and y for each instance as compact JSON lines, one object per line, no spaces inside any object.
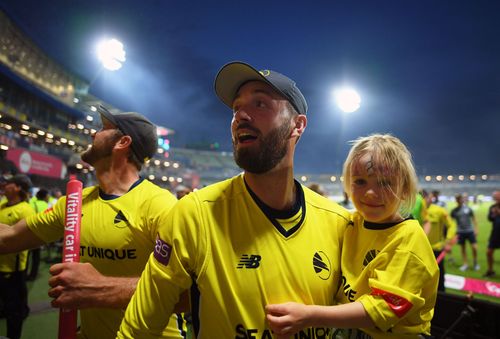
{"x":289,"y":318}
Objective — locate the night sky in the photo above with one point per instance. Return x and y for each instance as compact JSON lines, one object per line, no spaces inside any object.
{"x":427,"y":71}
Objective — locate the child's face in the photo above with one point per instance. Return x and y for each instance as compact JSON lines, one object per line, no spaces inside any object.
{"x":373,"y":191}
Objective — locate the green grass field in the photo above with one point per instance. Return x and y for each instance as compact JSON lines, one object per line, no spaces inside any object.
{"x":43,"y":321}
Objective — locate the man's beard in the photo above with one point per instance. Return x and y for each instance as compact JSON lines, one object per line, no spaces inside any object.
{"x":273,"y":148}
{"x":93,"y":154}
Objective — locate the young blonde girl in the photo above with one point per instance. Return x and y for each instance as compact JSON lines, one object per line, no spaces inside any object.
{"x":389,"y":272}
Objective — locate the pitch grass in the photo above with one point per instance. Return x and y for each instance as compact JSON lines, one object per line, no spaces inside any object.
{"x":454,"y":259}
{"x":43,"y":320}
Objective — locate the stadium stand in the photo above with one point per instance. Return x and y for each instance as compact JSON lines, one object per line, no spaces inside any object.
{"x":47,"y":109}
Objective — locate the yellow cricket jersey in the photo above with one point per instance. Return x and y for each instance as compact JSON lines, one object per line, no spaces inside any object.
{"x":439,"y":219}
{"x":392,"y":271}
{"x":240,"y":258}
{"x":117,"y":237}
{"x":10,"y":215}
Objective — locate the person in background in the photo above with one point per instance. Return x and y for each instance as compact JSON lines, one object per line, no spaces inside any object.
{"x":120,"y":219}
{"x":494,"y":241}
{"x":441,"y":233}
{"x":389,"y":273}
{"x":2,"y":193}
{"x":435,"y":199}
{"x":53,"y":250}
{"x":13,"y":289}
{"x":316,"y":188}
{"x":467,"y":230}
{"x":253,"y":239}
{"x":419,"y":211}
{"x":54,"y":196}
{"x":39,"y":204}
{"x":346,"y":203}
{"x":181,"y":191}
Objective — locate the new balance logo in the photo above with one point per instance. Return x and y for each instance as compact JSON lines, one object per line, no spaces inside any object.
{"x":370,"y":255}
{"x":249,"y":261}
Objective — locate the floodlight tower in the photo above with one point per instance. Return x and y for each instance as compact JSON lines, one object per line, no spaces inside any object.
{"x":347,"y":99}
{"x":111,"y":54}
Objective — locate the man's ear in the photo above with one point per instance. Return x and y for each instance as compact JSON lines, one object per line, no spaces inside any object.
{"x":124,"y":142}
{"x":300,"y":125}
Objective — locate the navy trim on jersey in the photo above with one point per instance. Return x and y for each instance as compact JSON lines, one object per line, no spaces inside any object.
{"x":383,"y":226}
{"x":273,"y":214}
{"x":195,"y":307}
{"x":105,"y":196}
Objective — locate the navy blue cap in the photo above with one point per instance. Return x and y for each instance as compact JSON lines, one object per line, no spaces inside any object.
{"x":20,"y":180}
{"x":235,"y":74}
{"x":141,"y":130}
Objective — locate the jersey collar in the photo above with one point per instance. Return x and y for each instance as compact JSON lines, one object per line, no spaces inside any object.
{"x":273,"y":214}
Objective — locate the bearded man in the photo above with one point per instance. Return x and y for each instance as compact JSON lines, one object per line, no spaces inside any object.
{"x":120,"y":218}
{"x":257,"y":238}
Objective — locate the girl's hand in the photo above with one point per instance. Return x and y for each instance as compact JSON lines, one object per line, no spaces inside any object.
{"x":287,"y":319}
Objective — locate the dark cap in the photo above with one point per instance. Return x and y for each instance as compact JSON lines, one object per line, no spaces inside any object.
{"x":234,"y":74}
{"x":141,"y":130}
{"x":20,"y":180}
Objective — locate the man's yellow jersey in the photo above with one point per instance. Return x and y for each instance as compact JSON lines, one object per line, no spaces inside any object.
{"x":439,"y":219}
{"x":10,"y":215}
{"x":392,"y":271}
{"x":117,"y":236}
{"x":240,"y":255}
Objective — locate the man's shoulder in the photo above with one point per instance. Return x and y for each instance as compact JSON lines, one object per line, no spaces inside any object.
{"x":220,"y":190}
{"x":319,"y":202}
{"x":150,"y":193}
{"x":87,"y":191}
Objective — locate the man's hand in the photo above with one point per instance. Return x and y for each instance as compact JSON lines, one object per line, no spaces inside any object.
{"x":74,"y":285}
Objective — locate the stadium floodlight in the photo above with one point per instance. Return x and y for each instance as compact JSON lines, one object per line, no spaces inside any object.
{"x":347,"y":99}
{"x":111,"y":54}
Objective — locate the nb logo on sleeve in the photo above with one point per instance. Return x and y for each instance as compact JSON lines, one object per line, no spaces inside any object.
{"x":249,"y":261}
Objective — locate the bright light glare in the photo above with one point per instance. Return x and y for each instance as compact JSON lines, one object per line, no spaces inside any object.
{"x":347,"y":99}
{"x":111,"y":54}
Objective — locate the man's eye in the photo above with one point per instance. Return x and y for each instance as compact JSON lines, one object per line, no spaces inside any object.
{"x":260,"y":104}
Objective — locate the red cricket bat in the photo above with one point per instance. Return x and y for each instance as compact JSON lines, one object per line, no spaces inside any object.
{"x":71,"y":250}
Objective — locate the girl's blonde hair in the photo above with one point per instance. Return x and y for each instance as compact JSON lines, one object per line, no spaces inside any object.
{"x":388,"y":153}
